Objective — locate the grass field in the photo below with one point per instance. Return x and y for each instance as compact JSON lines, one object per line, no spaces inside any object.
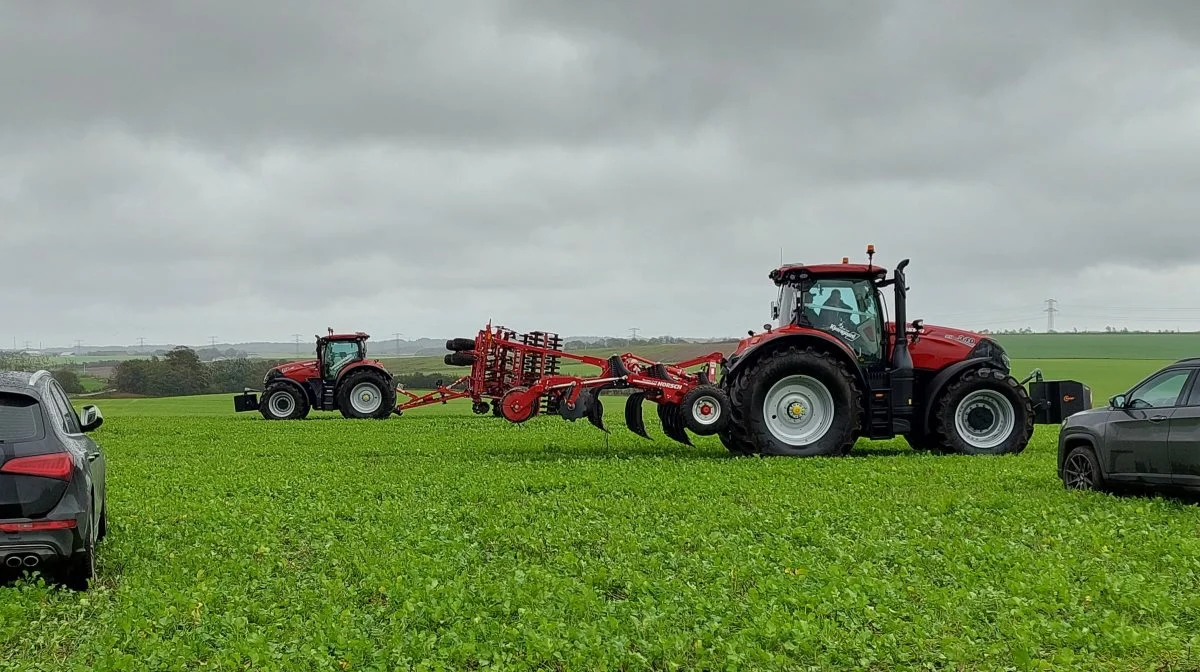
{"x":445,"y":540}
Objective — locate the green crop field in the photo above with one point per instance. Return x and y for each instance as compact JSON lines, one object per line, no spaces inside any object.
{"x":445,"y":540}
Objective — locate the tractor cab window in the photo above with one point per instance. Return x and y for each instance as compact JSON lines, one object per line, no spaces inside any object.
{"x":338,"y":354}
{"x":847,"y":309}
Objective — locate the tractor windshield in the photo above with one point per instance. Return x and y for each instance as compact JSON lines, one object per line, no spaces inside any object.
{"x":338,"y":354}
{"x":846,"y":308}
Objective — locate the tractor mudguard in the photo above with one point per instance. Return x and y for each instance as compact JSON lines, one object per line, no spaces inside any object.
{"x":374,"y":364}
{"x":304,"y":389}
{"x":939,"y":382}
{"x":807,"y":338}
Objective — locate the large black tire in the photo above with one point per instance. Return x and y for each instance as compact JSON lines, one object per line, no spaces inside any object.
{"x":366,"y":381}
{"x":460,"y":344}
{"x":283,"y":401}
{"x":750,"y":387}
{"x":994,"y":395}
{"x":733,"y":445}
{"x":1081,"y":470}
{"x":924,"y":442}
{"x":78,"y":571}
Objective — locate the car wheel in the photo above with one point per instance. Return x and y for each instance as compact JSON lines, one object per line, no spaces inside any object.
{"x":1081,"y":470}
{"x":80,"y":568}
{"x":103,"y":526}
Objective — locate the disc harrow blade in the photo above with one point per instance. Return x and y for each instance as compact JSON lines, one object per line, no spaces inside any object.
{"x":633,"y":414}
{"x":672,"y":427}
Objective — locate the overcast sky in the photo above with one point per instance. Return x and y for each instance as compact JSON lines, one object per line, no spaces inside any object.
{"x":247,"y":170}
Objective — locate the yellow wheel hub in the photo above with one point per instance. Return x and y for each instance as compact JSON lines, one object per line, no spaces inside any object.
{"x":796,"y":409}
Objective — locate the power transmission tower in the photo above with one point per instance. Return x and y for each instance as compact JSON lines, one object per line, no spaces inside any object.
{"x":142,"y":342}
{"x":397,"y":334}
{"x":633,"y":331}
{"x":1051,"y":309}
{"x":212,"y":342}
{"x":297,"y":337}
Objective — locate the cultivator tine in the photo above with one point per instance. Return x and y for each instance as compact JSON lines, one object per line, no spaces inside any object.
{"x":596,"y":412}
{"x":633,"y":414}
{"x":672,"y":427}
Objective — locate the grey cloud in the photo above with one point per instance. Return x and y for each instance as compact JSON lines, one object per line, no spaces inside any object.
{"x":581,"y":167}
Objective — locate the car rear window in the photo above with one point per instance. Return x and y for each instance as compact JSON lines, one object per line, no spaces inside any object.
{"x":20,"y":418}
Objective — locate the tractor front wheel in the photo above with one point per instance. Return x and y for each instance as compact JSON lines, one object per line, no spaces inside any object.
{"x":985,"y":412}
{"x":364,"y":394}
{"x":283,"y":401}
{"x":798,"y":402}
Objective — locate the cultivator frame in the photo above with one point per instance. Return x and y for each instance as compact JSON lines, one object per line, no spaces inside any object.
{"x":520,"y":374}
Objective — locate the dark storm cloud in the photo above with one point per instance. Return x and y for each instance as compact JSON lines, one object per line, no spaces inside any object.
{"x":583,"y":167}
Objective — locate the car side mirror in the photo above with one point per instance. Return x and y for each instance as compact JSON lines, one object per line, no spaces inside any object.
{"x":1117,"y":401}
{"x":90,"y":419}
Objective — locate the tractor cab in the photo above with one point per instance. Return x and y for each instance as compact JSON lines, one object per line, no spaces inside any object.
{"x":842,"y":300}
{"x":337,"y":351}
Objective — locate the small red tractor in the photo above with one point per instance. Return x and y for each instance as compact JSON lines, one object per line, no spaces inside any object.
{"x":341,"y":378}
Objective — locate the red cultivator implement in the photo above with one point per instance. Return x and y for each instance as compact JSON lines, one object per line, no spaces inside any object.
{"x":522,"y":376}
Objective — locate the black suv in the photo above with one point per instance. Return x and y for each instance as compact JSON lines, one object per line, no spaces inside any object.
{"x":1149,"y":436}
{"x":52,"y":491}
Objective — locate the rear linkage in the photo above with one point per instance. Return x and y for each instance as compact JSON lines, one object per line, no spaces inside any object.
{"x":520,"y":374}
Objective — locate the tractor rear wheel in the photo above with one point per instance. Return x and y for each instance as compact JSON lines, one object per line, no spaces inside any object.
{"x":366,"y":393}
{"x":985,"y":412}
{"x":798,"y":402}
{"x":283,"y":401}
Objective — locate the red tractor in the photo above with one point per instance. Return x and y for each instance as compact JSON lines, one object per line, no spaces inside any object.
{"x":341,"y":378}
{"x":833,"y":369}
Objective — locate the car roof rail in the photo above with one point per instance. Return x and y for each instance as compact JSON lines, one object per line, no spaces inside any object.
{"x":38,"y":375}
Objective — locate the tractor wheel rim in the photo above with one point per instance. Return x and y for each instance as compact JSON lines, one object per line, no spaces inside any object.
{"x":985,"y":419}
{"x":282,"y":404}
{"x":799,"y":410}
{"x":706,"y":410}
{"x":365,"y":398}
{"x":1078,"y":473}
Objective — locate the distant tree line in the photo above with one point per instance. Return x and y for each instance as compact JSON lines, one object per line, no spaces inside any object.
{"x":180,"y":372}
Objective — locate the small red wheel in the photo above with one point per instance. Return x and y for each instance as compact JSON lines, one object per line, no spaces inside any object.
{"x":517,"y":405}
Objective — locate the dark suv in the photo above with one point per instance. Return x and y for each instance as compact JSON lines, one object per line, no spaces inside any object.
{"x":1149,"y":436}
{"x":52,"y":491}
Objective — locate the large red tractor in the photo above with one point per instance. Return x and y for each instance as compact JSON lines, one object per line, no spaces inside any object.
{"x":341,"y":378}
{"x":833,"y":369}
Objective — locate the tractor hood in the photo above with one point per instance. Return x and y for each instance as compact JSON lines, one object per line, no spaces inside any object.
{"x":298,"y":371}
{"x":940,"y":346}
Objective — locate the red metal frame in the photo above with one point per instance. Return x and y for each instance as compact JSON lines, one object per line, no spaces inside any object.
{"x":504,"y":361}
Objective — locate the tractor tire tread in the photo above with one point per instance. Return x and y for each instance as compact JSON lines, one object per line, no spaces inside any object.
{"x":943,"y":426}
{"x":742,"y":392}
{"x":361,"y":375}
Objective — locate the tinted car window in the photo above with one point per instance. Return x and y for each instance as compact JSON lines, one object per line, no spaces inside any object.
{"x":1162,"y":391}
{"x":20,"y":418}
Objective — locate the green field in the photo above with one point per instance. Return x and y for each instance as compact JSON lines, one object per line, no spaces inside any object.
{"x":445,"y":540}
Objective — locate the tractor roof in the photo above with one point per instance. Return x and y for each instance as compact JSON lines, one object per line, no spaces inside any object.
{"x":794,"y":272}
{"x":357,"y":336}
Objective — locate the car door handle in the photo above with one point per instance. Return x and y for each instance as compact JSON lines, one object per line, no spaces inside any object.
{"x":91,"y":457}
{"x":1158,"y":418}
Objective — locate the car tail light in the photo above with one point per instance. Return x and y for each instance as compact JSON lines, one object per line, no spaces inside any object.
{"x":57,"y":465}
{"x":37,"y":526}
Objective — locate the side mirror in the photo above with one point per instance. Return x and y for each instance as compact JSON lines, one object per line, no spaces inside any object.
{"x":90,"y":419}
{"x":1117,"y":401}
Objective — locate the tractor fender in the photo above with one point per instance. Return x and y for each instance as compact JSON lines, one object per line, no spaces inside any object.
{"x":941,"y":380}
{"x":280,"y":378}
{"x":358,"y":366}
{"x":813,"y":338}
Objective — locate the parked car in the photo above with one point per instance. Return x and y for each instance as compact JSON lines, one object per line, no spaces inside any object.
{"x":52,"y":481}
{"x":1149,"y":436}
